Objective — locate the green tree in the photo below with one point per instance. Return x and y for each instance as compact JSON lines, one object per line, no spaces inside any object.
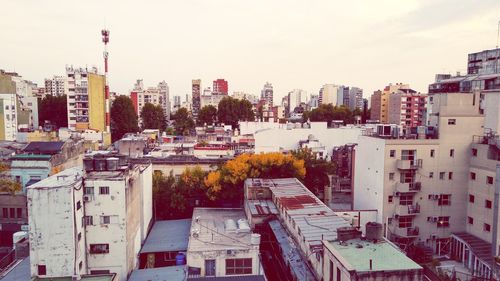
{"x":207,"y":115}
{"x":183,"y":123}
{"x":317,"y":170}
{"x":153,"y":117}
{"x":231,"y":110}
{"x":53,"y":109}
{"x":328,"y":112}
{"x":123,"y":118}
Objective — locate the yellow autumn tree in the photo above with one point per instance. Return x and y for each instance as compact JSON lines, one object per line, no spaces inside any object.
{"x":6,"y":183}
{"x":227,"y":182}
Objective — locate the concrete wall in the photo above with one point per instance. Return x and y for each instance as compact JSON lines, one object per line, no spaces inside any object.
{"x":197,"y":259}
{"x":146,"y":184}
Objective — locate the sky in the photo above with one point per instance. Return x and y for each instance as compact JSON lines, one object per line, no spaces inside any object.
{"x":292,"y":44}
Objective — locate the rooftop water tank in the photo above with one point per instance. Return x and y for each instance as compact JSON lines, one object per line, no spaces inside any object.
{"x":255,"y":239}
{"x":243,"y":225}
{"x":230,"y":225}
{"x":88,"y":163}
{"x":373,"y":231}
{"x":112,"y":163}
{"x":100,"y":164}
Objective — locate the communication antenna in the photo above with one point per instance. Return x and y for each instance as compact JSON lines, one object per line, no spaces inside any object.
{"x":105,"y":40}
{"x":498,"y":32}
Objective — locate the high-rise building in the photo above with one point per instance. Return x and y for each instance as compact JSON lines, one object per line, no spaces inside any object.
{"x":55,"y":86}
{"x":8,"y":108}
{"x":328,"y":94}
{"x":220,"y":87}
{"x":376,"y":105}
{"x":407,"y":108}
{"x":295,"y":98}
{"x":380,"y":101}
{"x":154,"y":95}
{"x":102,"y":218}
{"x":267,"y":94}
{"x":343,"y":96}
{"x":355,"y":98}
{"x":484,"y":62}
{"x":195,"y":95}
{"x":86,"y":99}
{"x":313,"y":101}
{"x":418,"y":183}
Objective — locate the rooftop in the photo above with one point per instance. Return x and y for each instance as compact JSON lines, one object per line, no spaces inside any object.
{"x":61,"y":179}
{"x":20,"y":271}
{"x":31,"y":157}
{"x":261,"y":207}
{"x":230,"y":278}
{"x":356,"y":254}
{"x":102,"y":277}
{"x":171,"y":235}
{"x":480,"y":248}
{"x":169,"y":273}
{"x":217,"y":229}
{"x":44,"y":147}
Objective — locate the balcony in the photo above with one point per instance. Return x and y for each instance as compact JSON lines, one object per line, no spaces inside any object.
{"x":409,"y":164}
{"x":407,"y":210}
{"x":406,"y":232}
{"x":407,"y":187}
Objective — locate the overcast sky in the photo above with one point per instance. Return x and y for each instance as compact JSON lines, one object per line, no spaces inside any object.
{"x":292,"y":44}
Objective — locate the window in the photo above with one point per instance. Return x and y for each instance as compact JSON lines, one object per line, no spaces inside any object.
{"x":42,"y":269}
{"x":5,"y":212}
{"x":19,"y":212}
{"x":443,"y":222}
{"x":391,"y":176}
{"x":105,"y":220}
{"x":473,"y":176}
{"x":169,"y":256}
{"x":450,"y":175}
{"x":471,"y":198}
{"x":452,"y":152}
{"x":88,"y":220}
{"x":489,"y":180}
{"x":78,"y":205}
{"x":392,"y":153}
{"x":452,"y":121}
{"x":487,"y":204}
{"x":432,"y":153}
{"x":406,"y":199}
{"x":441,"y":175}
{"x":487,"y":227}
{"x":12,"y":213}
{"x":99,"y":248}
{"x":474,"y":152}
{"x":89,"y":190}
{"x":444,"y":200}
{"x":238,"y":266}
{"x":470,"y":220}
{"x":331,"y":271}
{"x":104,"y":190}
{"x":79,"y":236}
{"x":431,"y":175}
{"x":390,"y":199}
{"x":405,"y":221}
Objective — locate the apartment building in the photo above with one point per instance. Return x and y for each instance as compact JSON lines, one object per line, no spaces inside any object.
{"x":56,"y":86}
{"x":267,"y":94}
{"x":86,"y":99}
{"x":407,"y":108}
{"x":103,"y":214}
{"x":158,"y":95}
{"x":419,"y":184}
{"x":355,"y":98}
{"x":195,"y":95}
{"x":380,"y":101}
{"x":328,"y":94}
{"x":220,"y":87}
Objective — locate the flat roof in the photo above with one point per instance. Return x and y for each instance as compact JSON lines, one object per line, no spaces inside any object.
{"x":31,"y":156}
{"x":290,"y":254}
{"x":62,"y":179}
{"x":209,"y":224}
{"x":230,"y":278}
{"x":356,"y":254}
{"x":168,"y":235}
{"x":20,"y":271}
{"x":169,"y":273}
{"x":102,"y":277}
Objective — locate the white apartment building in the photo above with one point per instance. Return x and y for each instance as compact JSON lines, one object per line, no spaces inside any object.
{"x":222,"y":244}
{"x":8,"y":114}
{"x":328,"y":94}
{"x":155,"y":95}
{"x":355,"y":98}
{"x":420,"y":185}
{"x":212,"y":99}
{"x":267,"y":94}
{"x":295,"y":98}
{"x":56,"y":86}
{"x":102,"y":216}
{"x":253,"y":99}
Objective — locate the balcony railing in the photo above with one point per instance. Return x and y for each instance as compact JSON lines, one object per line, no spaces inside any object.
{"x":409,"y":164}
{"x":406,"y":231}
{"x":406,"y":187}
{"x":407,"y":210}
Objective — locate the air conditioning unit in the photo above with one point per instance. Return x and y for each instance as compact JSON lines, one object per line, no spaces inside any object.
{"x":230,"y":252}
{"x":433,"y":196}
{"x":87,"y":197}
{"x":397,"y":193}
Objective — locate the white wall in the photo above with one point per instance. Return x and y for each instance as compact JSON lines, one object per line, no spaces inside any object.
{"x":146,"y":179}
{"x":491,"y":105}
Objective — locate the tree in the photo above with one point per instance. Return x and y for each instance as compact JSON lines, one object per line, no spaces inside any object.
{"x":183,"y":124}
{"x":6,"y":183}
{"x":317,"y":170}
{"x":328,"y":112}
{"x":227,"y":181}
{"x":123,"y":118}
{"x":153,"y":117}
{"x":53,"y":109}
{"x":207,"y":115}
{"x":231,"y":110}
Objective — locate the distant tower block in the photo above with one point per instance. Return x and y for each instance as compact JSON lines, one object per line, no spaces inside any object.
{"x":105,"y":40}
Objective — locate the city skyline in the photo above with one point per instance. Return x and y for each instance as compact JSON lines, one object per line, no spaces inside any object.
{"x":303,"y":46}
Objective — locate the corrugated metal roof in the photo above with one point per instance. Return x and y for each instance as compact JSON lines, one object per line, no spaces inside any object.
{"x":170,"y":235}
{"x":44,"y":147}
{"x":170,"y":273}
{"x":261,"y":207}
